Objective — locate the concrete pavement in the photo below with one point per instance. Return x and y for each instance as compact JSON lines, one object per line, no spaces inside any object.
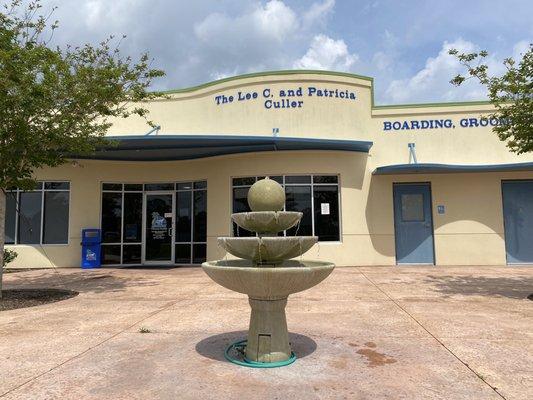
{"x":364,"y":333}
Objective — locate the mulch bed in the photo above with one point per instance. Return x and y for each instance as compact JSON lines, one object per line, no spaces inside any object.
{"x":21,"y":298}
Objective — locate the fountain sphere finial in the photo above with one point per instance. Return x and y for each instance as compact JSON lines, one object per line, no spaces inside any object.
{"x":266,"y":195}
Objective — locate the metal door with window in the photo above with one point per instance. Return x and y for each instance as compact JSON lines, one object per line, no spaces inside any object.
{"x":518,"y":221}
{"x":158,"y":228}
{"x":413,"y":223}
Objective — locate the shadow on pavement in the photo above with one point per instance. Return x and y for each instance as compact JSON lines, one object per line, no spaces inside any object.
{"x":517,"y":287}
{"x":213,"y":346}
{"x":91,"y":281}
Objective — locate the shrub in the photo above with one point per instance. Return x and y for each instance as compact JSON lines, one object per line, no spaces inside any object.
{"x":9,"y":256}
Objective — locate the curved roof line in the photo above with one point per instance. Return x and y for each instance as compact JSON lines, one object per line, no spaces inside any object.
{"x":189,"y":147}
{"x":430,"y":168}
{"x":330,"y":73}
{"x":268,"y":73}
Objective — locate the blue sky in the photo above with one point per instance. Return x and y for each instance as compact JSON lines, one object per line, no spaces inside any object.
{"x":402,"y":44}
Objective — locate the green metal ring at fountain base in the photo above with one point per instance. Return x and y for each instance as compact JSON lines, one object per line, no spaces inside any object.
{"x":241,"y":344}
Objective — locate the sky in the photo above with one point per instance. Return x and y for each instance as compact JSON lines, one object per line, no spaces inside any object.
{"x":403,"y":45}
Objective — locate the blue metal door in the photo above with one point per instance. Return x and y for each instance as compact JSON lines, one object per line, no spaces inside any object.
{"x":518,"y":221}
{"x":413,"y":223}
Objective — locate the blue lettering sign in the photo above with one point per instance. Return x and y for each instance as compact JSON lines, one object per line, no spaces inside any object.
{"x":285,"y":97}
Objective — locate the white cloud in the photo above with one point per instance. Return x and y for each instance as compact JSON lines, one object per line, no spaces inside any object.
{"x":267,"y":36}
{"x":433,"y":81}
{"x":254,"y":40}
{"x":197,"y":41}
{"x":520,"y":48}
{"x":382,"y":60}
{"x":273,"y":21}
{"x":318,"y":12}
{"x":100,"y":13}
{"x":327,"y":53}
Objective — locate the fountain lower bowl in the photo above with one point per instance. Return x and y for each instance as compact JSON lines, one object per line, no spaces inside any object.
{"x":267,"y":250}
{"x":267,"y":283}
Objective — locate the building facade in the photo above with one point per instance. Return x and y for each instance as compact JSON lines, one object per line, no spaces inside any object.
{"x":379,"y":185}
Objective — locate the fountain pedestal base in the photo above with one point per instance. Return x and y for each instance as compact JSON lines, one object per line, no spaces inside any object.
{"x":268,"y":337}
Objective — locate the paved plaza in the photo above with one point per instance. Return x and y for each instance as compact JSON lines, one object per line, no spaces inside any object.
{"x":364,"y":333}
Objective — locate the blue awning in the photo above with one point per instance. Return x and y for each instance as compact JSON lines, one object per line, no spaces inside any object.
{"x":187,"y":147}
{"x":400,"y":169}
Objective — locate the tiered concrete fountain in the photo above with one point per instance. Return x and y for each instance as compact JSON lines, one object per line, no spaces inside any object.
{"x":266,"y":275}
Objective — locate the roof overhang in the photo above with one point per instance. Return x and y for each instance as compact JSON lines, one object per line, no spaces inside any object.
{"x":401,"y":169}
{"x":188,"y":147}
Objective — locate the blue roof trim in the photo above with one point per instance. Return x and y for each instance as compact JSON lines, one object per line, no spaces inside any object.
{"x":400,"y":169}
{"x":188,"y":147}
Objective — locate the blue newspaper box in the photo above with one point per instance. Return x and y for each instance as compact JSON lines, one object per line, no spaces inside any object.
{"x":90,"y":248}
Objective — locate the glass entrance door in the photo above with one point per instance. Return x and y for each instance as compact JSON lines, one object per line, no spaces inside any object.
{"x":159,"y":224}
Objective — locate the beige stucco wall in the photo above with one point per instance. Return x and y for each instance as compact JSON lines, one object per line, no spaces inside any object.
{"x":470,"y":232}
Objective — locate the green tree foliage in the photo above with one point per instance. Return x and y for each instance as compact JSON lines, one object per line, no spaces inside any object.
{"x":56,"y":103}
{"x":511,"y":94}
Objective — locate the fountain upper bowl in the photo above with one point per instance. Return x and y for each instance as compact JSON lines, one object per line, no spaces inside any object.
{"x":267,"y":283}
{"x":267,"y":221}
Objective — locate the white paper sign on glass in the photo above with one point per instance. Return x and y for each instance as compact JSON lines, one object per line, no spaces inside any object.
{"x":324,"y":208}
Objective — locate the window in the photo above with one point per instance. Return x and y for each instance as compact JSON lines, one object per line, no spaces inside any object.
{"x":122,"y":207}
{"x":316,"y":196}
{"x":39,"y":216}
{"x":412,"y":207}
{"x":191,"y":223}
{"x":122,"y":216}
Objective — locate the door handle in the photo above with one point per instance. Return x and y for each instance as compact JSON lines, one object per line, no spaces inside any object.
{"x":170,"y":232}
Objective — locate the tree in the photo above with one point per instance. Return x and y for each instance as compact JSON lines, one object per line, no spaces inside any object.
{"x":511,"y":94}
{"x":56,"y":103}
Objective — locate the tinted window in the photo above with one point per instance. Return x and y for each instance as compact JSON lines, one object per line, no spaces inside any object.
{"x":131,"y":254}
{"x":199,"y":253}
{"x":57,"y":185}
{"x":30,"y":218}
{"x":111,"y":254}
{"x":326,"y":199}
{"x":183,"y":216}
{"x":111,"y":217}
{"x":200,"y":185}
{"x":325,"y":179}
{"x":133,"y":187}
{"x":322,"y":221}
{"x":298,"y":198}
{"x":133,"y":203}
{"x":240,"y":204}
{"x":11,"y":216}
{"x":112,"y":186}
{"x":243,"y":181}
{"x":200,"y":216}
{"x":412,"y":207}
{"x":159,"y":186}
{"x":55,"y":227}
{"x":298,"y":179}
{"x":183,"y":254}
{"x":278,"y":179}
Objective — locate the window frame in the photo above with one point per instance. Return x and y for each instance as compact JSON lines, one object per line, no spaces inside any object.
{"x":311,"y":184}
{"x":42,"y":190}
